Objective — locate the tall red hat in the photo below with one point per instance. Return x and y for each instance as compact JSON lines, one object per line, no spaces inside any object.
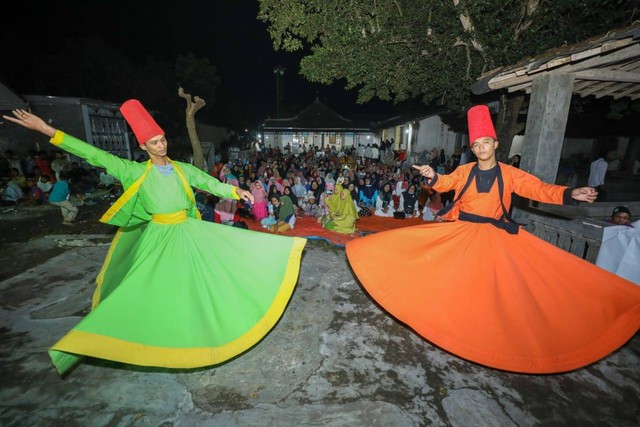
{"x":141,"y":122}
{"x":480,"y":124}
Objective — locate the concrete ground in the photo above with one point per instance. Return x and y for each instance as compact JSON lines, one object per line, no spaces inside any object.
{"x":334,"y":359}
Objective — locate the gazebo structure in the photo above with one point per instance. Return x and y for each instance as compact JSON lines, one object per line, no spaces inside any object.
{"x":605,"y":66}
{"x":315,"y":126}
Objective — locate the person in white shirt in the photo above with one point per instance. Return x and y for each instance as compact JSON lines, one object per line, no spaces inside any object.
{"x":11,"y":194}
{"x":106,"y":181}
{"x":465,"y":155}
{"x":44,"y":183}
{"x":375,"y":152}
{"x":597,"y":172}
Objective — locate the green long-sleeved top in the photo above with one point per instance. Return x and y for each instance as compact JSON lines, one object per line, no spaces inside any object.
{"x":130,"y":208}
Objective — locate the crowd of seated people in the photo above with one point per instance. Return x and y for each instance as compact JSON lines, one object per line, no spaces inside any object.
{"x":311,"y":182}
{"x":279,"y":180}
{"x":29,"y":180}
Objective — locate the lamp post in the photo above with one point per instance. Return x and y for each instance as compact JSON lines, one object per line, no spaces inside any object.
{"x":279,"y":70}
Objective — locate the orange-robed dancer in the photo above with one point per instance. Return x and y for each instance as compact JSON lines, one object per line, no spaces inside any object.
{"x":497,"y":295}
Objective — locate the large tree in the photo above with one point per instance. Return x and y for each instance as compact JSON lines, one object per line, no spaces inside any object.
{"x":194,"y":103}
{"x":431,"y":49}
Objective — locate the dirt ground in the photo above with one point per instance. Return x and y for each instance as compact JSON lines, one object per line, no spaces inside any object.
{"x":20,"y":224}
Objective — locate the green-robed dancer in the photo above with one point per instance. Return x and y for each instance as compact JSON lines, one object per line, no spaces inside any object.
{"x":174,"y":291}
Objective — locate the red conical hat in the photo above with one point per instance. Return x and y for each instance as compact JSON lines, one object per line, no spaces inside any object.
{"x":480,"y":123}
{"x":141,"y":122}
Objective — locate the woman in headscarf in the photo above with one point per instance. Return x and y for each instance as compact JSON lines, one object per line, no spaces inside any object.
{"x":277,"y":175}
{"x":384,"y":201}
{"x":433,"y":206}
{"x":321,"y":183}
{"x":368,"y":194}
{"x":314,"y":188}
{"x":375,"y":180}
{"x":288,"y":192}
{"x":303,"y":179}
{"x":409,"y":202}
{"x":401,"y":185}
{"x":299,"y":189}
{"x":273,"y":191}
{"x":328,"y":178}
{"x":345,"y":181}
{"x":360,"y":184}
{"x":284,"y":212}
{"x":259,"y":200}
{"x":353,"y":190}
{"x":226,"y":175}
{"x":226,"y":207}
{"x":342,"y":214}
{"x":324,"y":210}
{"x":273,"y":181}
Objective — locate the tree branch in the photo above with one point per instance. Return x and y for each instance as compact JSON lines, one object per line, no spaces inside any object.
{"x":524,"y":22}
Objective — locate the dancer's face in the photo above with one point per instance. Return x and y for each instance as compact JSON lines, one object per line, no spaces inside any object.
{"x":484,"y":148}
{"x":156,"y":146}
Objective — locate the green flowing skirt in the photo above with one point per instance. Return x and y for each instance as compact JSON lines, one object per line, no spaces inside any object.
{"x":184,"y":295}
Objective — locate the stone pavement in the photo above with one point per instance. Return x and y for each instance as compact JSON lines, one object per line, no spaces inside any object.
{"x":334,"y":359}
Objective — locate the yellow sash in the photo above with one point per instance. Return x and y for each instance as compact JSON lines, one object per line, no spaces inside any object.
{"x":170,"y":218}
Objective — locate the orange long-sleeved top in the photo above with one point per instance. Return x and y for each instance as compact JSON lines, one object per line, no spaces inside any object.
{"x":488,"y":204}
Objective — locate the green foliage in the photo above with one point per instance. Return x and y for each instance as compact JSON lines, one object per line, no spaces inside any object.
{"x":198,"y":77}
{"x":402,"y":49}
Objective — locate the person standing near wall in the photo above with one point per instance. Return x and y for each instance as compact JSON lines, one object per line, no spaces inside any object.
{"x":597,"y":174}
{"x":465,"y":156}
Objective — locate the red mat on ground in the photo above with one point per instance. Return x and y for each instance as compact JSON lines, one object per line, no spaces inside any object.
{"x":309,"y":228}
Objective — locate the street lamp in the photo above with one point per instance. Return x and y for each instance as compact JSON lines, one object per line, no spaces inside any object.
{"x":279,"y":70}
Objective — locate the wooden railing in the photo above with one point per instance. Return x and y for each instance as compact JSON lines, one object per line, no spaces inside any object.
{"x":575,"y":229}
{"x":571,"y":240}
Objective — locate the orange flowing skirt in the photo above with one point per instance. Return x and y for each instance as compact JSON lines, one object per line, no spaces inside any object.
{"x":510,"y":302}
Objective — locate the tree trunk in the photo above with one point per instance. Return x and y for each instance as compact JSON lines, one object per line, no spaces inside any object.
{"x":507,"y":125}
{"x":193,"y":105}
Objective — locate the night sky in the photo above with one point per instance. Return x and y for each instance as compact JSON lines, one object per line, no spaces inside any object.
{"x":225,"y":31}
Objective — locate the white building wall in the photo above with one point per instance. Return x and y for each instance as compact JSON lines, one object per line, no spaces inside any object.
{"x":274,"y":139}
{"x":570,"y":147}
{"x":433,"y":132}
